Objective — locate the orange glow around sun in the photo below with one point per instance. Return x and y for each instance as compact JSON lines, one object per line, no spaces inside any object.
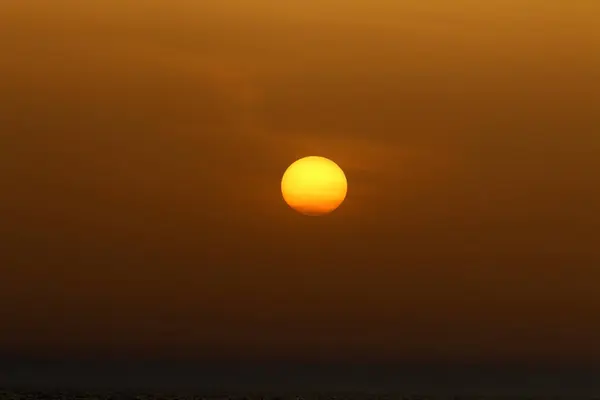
{"x":314,"y":186}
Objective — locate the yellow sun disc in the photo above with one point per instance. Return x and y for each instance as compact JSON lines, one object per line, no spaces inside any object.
{"x":314,"y":186}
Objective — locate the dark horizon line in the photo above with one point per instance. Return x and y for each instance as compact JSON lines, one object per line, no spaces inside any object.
{"x":227,"y":376}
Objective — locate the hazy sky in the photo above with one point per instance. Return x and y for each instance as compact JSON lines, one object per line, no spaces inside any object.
{"x":142,"y":146}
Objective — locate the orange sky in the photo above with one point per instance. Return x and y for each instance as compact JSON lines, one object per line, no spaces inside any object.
{"x":141,"y":148}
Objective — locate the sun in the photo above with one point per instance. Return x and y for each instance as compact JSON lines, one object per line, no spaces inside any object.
{"x":314,"y":186}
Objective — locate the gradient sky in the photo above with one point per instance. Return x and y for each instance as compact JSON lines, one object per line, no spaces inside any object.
{"x":142,"y":146}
